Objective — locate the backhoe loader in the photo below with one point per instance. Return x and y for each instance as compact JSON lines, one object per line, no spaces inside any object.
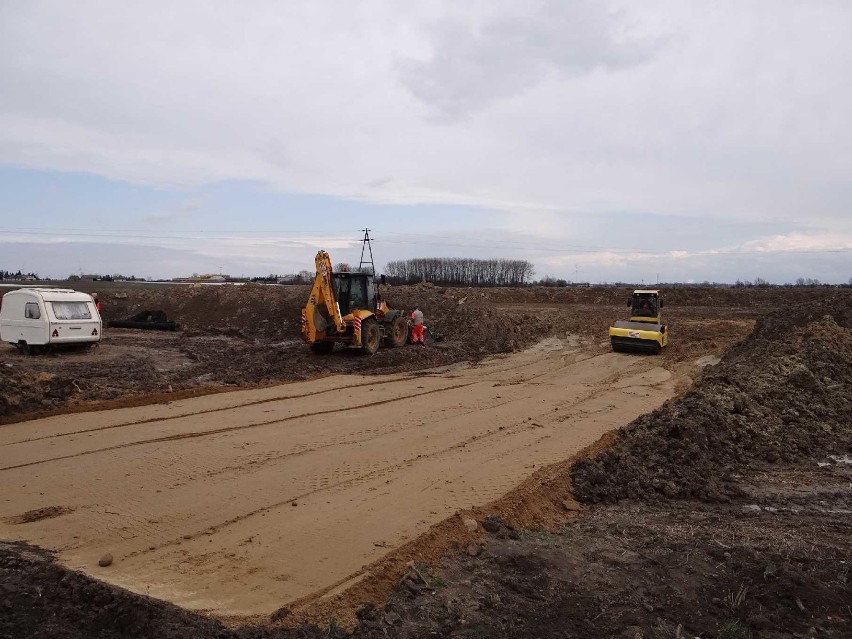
{"x":644,"y":332}
{"x":345,"y":308}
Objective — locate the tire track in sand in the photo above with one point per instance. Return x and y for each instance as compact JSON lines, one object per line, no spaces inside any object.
{"x":228,"y":429}
{"x":238,"y":406}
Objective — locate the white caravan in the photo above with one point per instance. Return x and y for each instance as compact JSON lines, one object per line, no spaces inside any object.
{"x":34,"y":319}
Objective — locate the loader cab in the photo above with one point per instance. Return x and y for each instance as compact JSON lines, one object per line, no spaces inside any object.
{"x":645,"y":306}
{"x":354,"y":291}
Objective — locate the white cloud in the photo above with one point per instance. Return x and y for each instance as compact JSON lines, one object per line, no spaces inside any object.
{"x":799,"y":242}
{"x":505,"y":48}
{"x":708,"y":112}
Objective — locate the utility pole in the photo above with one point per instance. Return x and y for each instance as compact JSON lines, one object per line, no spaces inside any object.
{"x":366,"y":245}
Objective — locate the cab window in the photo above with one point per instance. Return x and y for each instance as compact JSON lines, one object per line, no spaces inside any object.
{"x":32,"y":311}
{"x":644,"y":306}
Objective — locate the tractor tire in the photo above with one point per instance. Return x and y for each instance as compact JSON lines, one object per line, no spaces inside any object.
{"x":322,"y":348}
{"x":371,"y":336}
{"x":397,"y":332}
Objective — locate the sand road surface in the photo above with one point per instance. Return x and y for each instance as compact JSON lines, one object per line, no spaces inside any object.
{"x":238,"y":503}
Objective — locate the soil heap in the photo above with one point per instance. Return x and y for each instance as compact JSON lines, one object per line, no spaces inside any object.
{"x":781,"y":396}
{"x":736,"y":526}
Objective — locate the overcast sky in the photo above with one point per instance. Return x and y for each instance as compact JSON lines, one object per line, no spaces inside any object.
{"x":602,"y":141}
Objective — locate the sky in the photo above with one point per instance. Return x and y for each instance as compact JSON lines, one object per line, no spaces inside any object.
{"x":667,"y":140}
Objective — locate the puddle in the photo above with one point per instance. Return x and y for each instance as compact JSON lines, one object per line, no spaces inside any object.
{"x":846,"y":460}
{"x":754,"y":508}
{"x":707,"y":360}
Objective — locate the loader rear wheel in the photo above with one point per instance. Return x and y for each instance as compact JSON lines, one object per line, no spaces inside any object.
{"x":370,"y":336}
{"x":397,"y":333}
{"x":322,"y":348}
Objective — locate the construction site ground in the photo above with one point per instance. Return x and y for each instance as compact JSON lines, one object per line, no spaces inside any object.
{"x":476,"y":486}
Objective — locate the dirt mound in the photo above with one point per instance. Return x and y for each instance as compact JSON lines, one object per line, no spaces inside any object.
{"x":741,"y":298}
{"x":658,"y":568}
{"x":467,"y":317}
{"x":464,"y":316}
{"x":264,"y":311}
{"x":781,"y":396}
{"x":646,"y":570}
{"x":471,"y":330}
{"x":25,"y":391}
{"x":245,"y":335}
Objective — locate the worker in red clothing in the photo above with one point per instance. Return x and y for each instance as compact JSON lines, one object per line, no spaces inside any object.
{"x":417,"y":326}
{"x":97,"y":302}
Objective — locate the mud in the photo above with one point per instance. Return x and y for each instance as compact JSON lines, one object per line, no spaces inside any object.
{"x":236,"y":336}
{"x":640,"y":571}
{"x":248,"y":335}
{"x":725,"y":513}
{"x":23,"y":391}
{"x":40,"y":599}
{"x":48,"y":512}
{"x":783,"y":396}
{"x":282,"y":494}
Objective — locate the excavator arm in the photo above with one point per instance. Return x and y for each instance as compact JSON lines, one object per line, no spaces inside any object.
{"x":322,"y":310}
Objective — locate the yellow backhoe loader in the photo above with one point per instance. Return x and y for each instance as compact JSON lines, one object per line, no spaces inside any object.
{"x":644,"y":332}
{"x":345,"y":308}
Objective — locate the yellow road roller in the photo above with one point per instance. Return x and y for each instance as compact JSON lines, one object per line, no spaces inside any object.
{"x":644,"y":332}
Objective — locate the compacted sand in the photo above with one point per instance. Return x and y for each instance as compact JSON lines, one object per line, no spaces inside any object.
{"x":237,"y":503}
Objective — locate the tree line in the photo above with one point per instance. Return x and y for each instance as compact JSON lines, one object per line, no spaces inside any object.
{"x":460,"y":271}
{"x":10,"y":276}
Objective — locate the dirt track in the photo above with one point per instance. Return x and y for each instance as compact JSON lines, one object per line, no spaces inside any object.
{"x":241,"y":502}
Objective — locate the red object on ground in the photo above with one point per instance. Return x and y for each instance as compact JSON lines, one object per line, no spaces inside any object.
{"x":417,"y":334}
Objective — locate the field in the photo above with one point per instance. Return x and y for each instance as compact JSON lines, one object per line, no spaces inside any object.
{"x":515,"y":479}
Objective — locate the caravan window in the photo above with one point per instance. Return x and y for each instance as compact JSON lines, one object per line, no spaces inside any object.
{"x":31,"y":311}
{"x":71,"y":310}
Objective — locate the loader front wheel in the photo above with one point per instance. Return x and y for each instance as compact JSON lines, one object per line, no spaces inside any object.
{"x":397,"y":333}
{"x":322,"y":348}
{"x":370,"y":336}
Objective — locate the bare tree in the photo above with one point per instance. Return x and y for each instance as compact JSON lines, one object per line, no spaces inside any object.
{"x":452,"y":271}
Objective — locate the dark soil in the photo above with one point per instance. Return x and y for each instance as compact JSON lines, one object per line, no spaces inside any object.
{"x":732,"y":517}
{"x":24,"y":391}
{"x":783,"y":396}
{"x":643,"y":571}
{"x":48,"y":512}
{"x":41,"y":600}
{"x":249,"y":335}
{"x":239,"y":336}
{"x":726,"y":513}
